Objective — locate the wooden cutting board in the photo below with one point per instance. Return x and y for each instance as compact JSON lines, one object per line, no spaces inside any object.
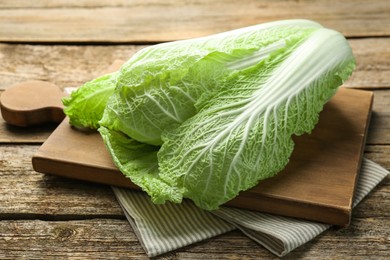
{"x":318,"y":183}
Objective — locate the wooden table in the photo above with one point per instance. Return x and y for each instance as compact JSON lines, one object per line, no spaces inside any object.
{"x":70,"y":42}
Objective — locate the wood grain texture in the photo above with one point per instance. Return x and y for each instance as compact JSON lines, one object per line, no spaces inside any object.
{"x":375,"y":204}
{"x":379,"y":154}
{"x":53,"y":198}
{"x":91,"y":239}
{"x":72,"y":65}
{"x":154,"y":21}
{"x":13,"y":134}
{"x":63,"y":65}
{"x":379,"y":131}
{"x":28,"y":194}
{"x":113,"y":239}
{"x":372,"y":63}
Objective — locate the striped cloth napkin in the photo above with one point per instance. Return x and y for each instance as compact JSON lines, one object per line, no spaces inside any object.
{"x":163,"y":228}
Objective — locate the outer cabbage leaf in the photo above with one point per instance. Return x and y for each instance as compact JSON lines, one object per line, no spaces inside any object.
{"x":85,"y":106}
{"x":158,"y":87}
{"x":242,"y":132}
{"x":138,"y":161}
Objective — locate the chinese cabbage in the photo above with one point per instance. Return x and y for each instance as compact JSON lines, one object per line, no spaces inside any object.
{"x":223,"y":108}
{"x":158,"y":88}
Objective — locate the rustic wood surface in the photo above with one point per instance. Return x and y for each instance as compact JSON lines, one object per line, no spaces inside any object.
{"x":155,"y":21}
{"x":46,"y":217}
{"x":72,"y":65}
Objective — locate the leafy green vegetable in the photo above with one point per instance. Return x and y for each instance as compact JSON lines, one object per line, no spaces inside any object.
{"x":223,"y":108}
{"x":85,"y":106}
{"x":157,"y":89}
{"x":139,"y":161}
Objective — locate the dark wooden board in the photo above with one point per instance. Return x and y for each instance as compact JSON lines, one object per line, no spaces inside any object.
{"x":318,"y":184}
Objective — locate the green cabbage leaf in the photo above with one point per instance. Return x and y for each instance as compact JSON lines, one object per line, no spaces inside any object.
{"x":85,"y":106}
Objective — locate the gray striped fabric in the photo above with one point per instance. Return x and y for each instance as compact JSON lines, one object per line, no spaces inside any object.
{"x":163,"y":228}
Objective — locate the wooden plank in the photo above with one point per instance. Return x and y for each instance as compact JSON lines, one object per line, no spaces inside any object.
{"x":65,"y":66}
{"x":8,"y":4}
{"x":71,"y":66}
{"x":28,"y":194}
{"x":148,"y":21}
{"x":362,"y":240}
{"x":90,"y":239}
{"x":114,"y":239}
{"x":376,"y":204}
{"x":379,"y":154}
{"x":379,"y":130}
{"x":373,"y":63}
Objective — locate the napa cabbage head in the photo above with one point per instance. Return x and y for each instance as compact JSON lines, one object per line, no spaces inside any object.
{"x":157,"y":89}
{"x":207,"y":118}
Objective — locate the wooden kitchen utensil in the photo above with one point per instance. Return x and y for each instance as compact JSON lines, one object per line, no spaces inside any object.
{"x":31,"y":103}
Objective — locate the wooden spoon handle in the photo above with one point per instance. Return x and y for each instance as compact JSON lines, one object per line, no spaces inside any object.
{"x":31,"y":103}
